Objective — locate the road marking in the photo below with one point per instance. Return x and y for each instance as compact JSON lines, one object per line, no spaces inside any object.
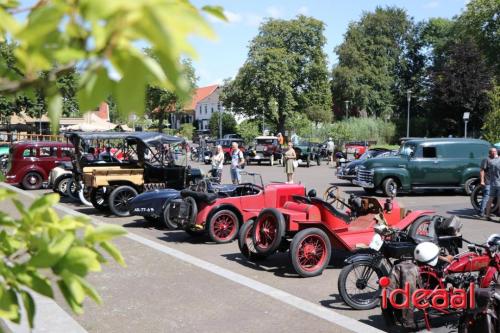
{"x":278,"y":294}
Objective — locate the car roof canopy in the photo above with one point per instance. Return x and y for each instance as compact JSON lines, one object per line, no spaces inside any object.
{"x":153,"y":138}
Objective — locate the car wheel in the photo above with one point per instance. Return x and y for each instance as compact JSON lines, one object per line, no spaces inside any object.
{"x":245,"y":242}
{"x":271,"y":160}
{"x":61,"y":185}
{"x":390,"y":187}
{"x":358,"y":285}
{"x":310,"y":252}
{"x":268,"y":231}
{"x":71,"y":191}
{"x":32,"y":181}
{"x":99,"y":198}
{"x":308,"y":161}
{"x":171,"y":225}
{"x":223,"y":226}
{"x":470,"y":184}
{"x":119,"y":200}
{"x":420,"y":227}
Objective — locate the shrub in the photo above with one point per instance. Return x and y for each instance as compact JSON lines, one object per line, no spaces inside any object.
{"x":248,"y":130}
{"x":370,"y":129}
{"x":186,"y":131}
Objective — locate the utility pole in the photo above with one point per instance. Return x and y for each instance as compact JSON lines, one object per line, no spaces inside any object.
{"x":220,"y":121}
{"x":408,"y":99}
{"x":347,"y":109}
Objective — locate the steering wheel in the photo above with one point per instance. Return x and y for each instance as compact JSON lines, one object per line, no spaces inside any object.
{"x":330,"y":195}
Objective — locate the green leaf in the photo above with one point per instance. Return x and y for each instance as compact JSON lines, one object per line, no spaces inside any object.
{"x":114,"y":252}
{"x":131,"y":89}
{"x":29,"y":306}
{"x":74,"y":286}
{"x":104,"y":232}
{"x":79,"y":260}
{"x":96,"y":86}
{"x":44,"y":202}
{"x":216,"y":11}
{"x":49,"y":256}
{"x":9,"y":306}
{"x":54,"y":109}
{"x":6,"y":193}
{"x":36,"y":282}
{"x":89,"y":289}
{"x":74,"y":305}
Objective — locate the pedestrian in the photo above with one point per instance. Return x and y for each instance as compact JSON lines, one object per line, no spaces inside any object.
{"x":218,"y":164}
{"x":330,"y":148}
{"x":494,"y":180}
{"x":237,"y":162}
{"x":105,"y":155}
{"x":280,"y":138}
{"x":485,"y":182}
{"x":290,"y":159}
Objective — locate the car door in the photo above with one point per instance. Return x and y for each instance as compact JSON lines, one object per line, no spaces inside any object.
{"x":47,"y":157}
{"x":424,"y":166}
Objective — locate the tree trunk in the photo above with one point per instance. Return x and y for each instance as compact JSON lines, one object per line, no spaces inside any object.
{"x":281,"y":124}
{"x":160,"y":121}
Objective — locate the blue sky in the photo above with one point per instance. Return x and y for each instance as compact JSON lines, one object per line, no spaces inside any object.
{"x":223,"y":57}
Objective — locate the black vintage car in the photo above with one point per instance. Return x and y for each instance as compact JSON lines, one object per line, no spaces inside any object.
{"x":348,"y":171}
{"x":307,"y":152}
{"x":150,"y":161}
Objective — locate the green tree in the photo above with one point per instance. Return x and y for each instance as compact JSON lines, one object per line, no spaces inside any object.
{"x":318,"y":114}
{"x":186,"y":131}
{"x":54,"y":36}
{"x":40,"y":250}
{"x":229,"y":125}
{"x":491,"y":127}
{"x":248,"y":129}
{"x":160,"y":102}
{"x":373,"y":58}
{"x":285,"y":72}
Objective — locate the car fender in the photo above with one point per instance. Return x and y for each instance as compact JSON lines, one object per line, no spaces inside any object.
{"x":411,"y":217}
{"x":368,"y":257}
{"x":468,"y":173}
{"x":217,"y":208}
{"x":400,"y":174}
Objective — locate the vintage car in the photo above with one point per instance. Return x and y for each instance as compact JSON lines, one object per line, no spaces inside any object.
{"x":265,"y":148}
{"x":355,"y":149}
{"x":310,"y":227}
{"x":221,"y":214}
{"x":150,"y":162}
{"x":226,"y":148}
{"x":60,"y":177}
{"x":348,"y":171}
{"x":307,"y":152}
{"x":31,"y":162}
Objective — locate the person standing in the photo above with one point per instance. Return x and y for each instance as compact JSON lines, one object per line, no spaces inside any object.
{"x":330,"y":148}
{"x":218,"y":164}
{"x":494,"y":180}
{"x":290,"y":157}
{"x":237,"y":162}
{"x":485,"y":182}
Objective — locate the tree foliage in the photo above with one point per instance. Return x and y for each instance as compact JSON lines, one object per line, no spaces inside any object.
{"x":248,"y":129}
{"x":186,"y":131}
{"x":100,"y":37}
{"x":491,"y":127}
{"x":40,"y":250}
{"x":229,"y":125}
{"x":285,"y":72}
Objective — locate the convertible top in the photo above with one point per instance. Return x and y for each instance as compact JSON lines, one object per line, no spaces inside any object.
{"x":149,"y":138}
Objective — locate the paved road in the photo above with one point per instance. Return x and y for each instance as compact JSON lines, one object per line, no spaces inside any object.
{"x":159,"y":292}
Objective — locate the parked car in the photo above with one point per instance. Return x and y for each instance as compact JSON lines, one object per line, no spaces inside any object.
{"x":226,"y":148}
{"x":355,"y":149}
{"x":348,"y":171}
{"x":307,"y":152}
{"x":32,"y":161}
{"x":423,"y":164}
{"x":60,"y":176}
{"x":265,"y":148}
{"x":231,"y":136}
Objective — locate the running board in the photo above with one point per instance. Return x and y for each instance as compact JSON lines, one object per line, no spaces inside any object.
{"x":437,"y":188}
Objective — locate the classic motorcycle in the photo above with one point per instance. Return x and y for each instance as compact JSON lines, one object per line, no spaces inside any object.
{"x":358,"y":280}
{"x":485,"y":317}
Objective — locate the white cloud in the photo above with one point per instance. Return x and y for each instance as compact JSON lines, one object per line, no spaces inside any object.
{"x":304,"y":10}
{"x":253,"y":20}
{"x":232,"y":17}
{"x":274,"y":12}
{"x":431,"y":4}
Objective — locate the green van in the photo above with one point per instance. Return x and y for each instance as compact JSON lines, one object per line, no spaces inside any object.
{"x":422,"y":164}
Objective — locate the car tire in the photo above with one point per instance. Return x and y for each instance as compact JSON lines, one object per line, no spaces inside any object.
{"x":314,"y":245}
{"x":61,"y":184}
{"x":470,"y":184}
{"x":32,"y":181}
{"x":420,"y":227}
{"x":268,"y":231}
{"x":390,"y":187}
{"x":71,"y":190}
{"x":245,"y":242}
{"x":223,"y":226}
{"x":99,"y":198}
{"x":119,"y":198}
{"x":167,"y":221}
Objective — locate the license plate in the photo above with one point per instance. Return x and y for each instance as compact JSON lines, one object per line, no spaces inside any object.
{"x":257,"y":157}
{"x":376,"y":242}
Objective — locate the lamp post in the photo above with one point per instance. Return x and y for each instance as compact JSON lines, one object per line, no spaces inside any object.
{"x":466,"y":120}
{"x":220,"y":120}
{"x":347,"y":109}
{"x":408,"y":99}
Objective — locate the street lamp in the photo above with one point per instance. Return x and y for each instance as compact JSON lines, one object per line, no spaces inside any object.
{"x":347,"y":109}
{"x":408,"y":99}
{"x":220,"y":120}
{"x":466,"y":120}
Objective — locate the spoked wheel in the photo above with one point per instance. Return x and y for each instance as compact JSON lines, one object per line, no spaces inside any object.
{"x":166,"y":219}
{"x":120,"y":198}
{"x":476,"y":198}
{"x":245,"y":242}
{"x":310,"y":252}
{"x":223,"y":226}
{"x":268,"y":231}
{"x":358,"y":285}
{"x":32,"y":181}
{"x":99,"y":198}
{"x":72,"y":189}
{"x":420,"y":227}
{"x":61,"y":185}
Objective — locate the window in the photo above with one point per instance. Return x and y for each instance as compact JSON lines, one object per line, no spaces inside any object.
{"x":218,"y":106}
{"x":29,"y":152}
{"x":66,"y":152}
{"x":206,"y":109}
{"x":48,"y":151}
{"x":429,"y":152}
{"x":212,"y":110}
{"x":200,"y":109}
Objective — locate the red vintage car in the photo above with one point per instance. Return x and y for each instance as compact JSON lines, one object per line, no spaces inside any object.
{"x":32,"y":161}
{"x":310,"y":227}
{"x":354,"y":149}
{"x":221,"y":214}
